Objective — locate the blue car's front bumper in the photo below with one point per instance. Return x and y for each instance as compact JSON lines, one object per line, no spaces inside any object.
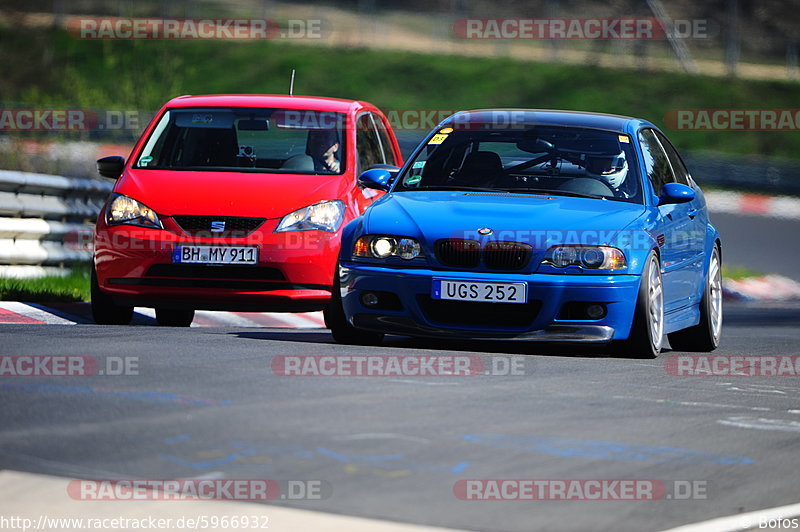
{"x":412,"y":312}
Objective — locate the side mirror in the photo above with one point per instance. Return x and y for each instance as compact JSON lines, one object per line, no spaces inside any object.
{"x":379,"y":177}
{"x":111,"y":167}
{"x":675,"y":193}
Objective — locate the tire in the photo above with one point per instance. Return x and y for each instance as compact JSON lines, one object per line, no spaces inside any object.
{"x":104,"y":310}
{"x":705,"y":336}
{"x":170,"y":317}
{"x":647,"y":329}
{"x":341,"y":330}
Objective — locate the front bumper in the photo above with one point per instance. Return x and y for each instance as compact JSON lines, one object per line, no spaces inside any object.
{"x":541,"y":319}
{"x":294,"y":271}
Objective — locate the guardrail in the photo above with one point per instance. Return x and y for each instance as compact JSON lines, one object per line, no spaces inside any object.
{"x":46,"y":221}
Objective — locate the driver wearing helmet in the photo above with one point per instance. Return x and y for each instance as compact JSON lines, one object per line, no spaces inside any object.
{"x":610,"y":169}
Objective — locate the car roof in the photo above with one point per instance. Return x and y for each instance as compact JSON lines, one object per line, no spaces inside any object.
{"x":549,"y":117}
{"x":280,"y":101}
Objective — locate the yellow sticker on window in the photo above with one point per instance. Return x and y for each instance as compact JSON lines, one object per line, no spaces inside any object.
{"x":446,"y":130}
{"x":624,"y":138}
{"x":437,"y":139}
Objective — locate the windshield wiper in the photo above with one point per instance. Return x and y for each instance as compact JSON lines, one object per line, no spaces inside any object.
{"x":555,"y":192}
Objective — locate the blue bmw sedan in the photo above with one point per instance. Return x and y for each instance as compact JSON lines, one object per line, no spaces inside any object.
{"x":553,"y":226}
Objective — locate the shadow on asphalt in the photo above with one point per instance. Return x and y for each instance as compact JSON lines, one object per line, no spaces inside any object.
{"x":472,"y":346}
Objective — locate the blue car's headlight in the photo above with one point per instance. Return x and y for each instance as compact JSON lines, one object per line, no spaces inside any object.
{"x":324,"y":216}
{"x":589,"y":257}
{"x":383,"y":247}
{"x":126,"y":210}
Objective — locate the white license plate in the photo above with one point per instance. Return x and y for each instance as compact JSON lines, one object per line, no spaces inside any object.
{"x":215,"y":254}
{"x":479,"y":291}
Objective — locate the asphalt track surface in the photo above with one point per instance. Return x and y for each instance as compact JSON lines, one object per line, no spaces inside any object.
{"x":207,"y":403}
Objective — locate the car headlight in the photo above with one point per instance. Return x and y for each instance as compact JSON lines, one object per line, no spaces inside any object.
{"x":383,"y":247}
{"x":126,"y":210}
{"x":324,"y":216}
{"x":589,"y":257}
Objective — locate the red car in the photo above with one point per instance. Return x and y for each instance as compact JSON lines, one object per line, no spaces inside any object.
{"x":234,"y":202}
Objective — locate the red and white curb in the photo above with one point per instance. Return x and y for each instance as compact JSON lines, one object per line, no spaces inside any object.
{"x":742,"y":203}
{"x":80,"y":313}
{"x":764,"y":288}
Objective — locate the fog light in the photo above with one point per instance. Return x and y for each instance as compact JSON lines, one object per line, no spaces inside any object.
{"x":369,"y":299}
{"x":595,"y":312}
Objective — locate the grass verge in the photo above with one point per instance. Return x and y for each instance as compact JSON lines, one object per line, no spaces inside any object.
{"x":72,"y":288}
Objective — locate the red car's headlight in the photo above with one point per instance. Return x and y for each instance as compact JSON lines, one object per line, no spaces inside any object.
{"x":126,"y":210}
{"x":324,"y":216}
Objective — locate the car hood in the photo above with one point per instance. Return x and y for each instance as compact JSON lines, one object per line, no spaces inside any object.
{"x":540,"y":220}
{"x":262,"y":195}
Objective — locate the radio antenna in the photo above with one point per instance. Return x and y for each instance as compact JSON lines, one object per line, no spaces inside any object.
{"x":291,"y":85}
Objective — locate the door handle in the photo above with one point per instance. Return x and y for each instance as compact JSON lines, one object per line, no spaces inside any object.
{"x":692,"y":213}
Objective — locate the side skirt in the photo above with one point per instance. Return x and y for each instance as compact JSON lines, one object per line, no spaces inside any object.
{"x":681,"y":319}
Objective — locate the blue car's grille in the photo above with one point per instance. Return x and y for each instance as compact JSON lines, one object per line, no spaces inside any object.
{"x":464,"y":253}
{"x":458,"y":252}
{"x":507,"y":255}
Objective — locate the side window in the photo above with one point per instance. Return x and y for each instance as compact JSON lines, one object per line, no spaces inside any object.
{"x":655,"y":160}
{"x":386,"y":144}
{"x":681,"y":173}
{"x":367,"y":143}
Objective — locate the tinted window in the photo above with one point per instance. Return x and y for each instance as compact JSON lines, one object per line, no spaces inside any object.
{"x":655,"y":161}
{"x":679,"y":169}
{"x":367,"y":143}
{"x":557,"y":160}
{"x":246,"y":140}
{"x":383,"y":134}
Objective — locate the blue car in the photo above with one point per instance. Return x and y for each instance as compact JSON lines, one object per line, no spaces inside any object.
{"x":551,"y":226}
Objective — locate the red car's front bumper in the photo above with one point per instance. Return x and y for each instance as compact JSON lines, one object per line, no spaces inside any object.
{"x":294,"y":271}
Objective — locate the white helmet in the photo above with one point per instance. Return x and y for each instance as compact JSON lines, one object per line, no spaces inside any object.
{"x":611,"y":169}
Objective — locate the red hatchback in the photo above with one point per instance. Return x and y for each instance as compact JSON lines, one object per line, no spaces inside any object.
{"x":234,"y":202}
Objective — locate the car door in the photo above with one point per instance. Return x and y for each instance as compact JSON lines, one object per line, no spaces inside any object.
{"x":673,"y":226}
{"x":696,"y":211}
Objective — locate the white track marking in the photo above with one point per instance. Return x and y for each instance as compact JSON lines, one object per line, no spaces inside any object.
{"x":740,"y":522}
{"x":35,"y":313}
{"x":761,"y":423}
{"x":28,"y":495}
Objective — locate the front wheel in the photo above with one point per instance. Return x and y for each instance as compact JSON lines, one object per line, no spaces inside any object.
{"x":704,"y":336}
{"x":104,"y":310}
{"x":341,"y":330}
{"x":169,"y":317}
{"x":647,"y":330}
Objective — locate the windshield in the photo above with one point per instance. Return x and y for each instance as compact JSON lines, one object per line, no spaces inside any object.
{"x":247,"y":140}
{"x":554,"y":160}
